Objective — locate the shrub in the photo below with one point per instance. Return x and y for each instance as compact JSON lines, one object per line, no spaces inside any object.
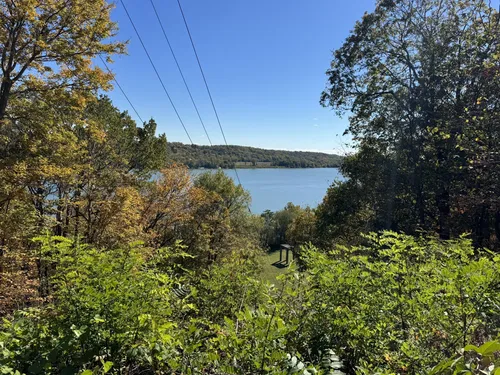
{"x":398,"y":303}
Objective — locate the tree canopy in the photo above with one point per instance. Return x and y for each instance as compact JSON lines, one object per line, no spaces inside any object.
{"x":47,"y":53}
{"x":421,"y":80}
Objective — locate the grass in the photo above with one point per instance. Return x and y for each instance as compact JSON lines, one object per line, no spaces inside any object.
{"x":270,"y":271}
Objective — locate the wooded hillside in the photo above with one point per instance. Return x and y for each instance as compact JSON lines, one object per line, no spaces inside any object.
{"x":195,"y":156}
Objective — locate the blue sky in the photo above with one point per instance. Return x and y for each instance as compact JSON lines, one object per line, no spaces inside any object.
{"x":265,"y":62}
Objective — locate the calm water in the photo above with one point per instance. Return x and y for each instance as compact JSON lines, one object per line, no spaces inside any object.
{"x":272,"y":189}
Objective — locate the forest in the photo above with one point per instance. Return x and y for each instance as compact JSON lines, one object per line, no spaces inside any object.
{"x":196,"y":156}
{"x":106,"y":270}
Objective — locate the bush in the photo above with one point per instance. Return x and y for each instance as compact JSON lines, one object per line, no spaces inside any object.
{"x":398,"y":303}
{"x":108,"y":307}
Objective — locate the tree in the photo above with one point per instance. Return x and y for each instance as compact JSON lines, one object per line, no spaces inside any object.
{"x":302,"y":232}
{"x":104,"y":203}
{"x":124,"y":145}
{"x":84,"y":180}
{"x":47,"y":79}
{"x":410,"y":73}
{"x":47,"y":50}
{"x":170,"y":203}
{"x":234,"y":198}
{"x":225,"y":222}
{"x":209,"y":215}
{"x":196,"y":156}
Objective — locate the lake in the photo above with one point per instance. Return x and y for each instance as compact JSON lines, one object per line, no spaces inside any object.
{"x":273,"y":188}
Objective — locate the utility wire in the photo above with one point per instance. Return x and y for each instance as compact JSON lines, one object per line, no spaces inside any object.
{"x":123,"y":92}
{"x":205,"y":80}
{"x":180,"y":70}
{"x":156,"y":71}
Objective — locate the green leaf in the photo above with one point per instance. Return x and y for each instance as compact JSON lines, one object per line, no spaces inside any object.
{"x":489,"y":348}
{"x":470,"y":348}
{"x":107,"y":366}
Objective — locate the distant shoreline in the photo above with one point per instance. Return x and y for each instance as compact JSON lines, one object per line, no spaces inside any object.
{"x":270,"y":167}
{"x":243,"y":157}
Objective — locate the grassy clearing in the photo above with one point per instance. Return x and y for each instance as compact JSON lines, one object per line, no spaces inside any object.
{"x":270,"y":271}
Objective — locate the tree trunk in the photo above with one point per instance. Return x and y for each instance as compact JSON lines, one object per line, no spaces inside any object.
{"x":443,"y":193}
{"x":4,"y":96}
{"x":443,"y":203}
{"x":59,"y":216}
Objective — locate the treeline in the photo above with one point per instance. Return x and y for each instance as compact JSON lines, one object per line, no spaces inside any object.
{"x":105,"y":270}
{"x":195,"y":156}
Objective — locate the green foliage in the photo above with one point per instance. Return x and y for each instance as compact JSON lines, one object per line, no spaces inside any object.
{"x":233,"y":197}
{"x":127,"y":147}
{"x":108,"y":307}
{"x":196,"y":156}
{"x":366,"y":201}
{"x":221,"y":226}
{"x":276,"y":224}
{"x":302,"y":229}
{"x":119,"y":311}
{"x":227,"y":288}
{"x":85,"y":178}
{"x":420,"y":81}
{"x":399,"y":303}
{"x":473,"y":360}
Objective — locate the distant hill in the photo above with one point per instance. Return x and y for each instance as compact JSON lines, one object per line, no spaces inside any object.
{"x":195,"y":156}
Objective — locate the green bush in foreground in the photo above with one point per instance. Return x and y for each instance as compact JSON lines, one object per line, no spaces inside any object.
{"x":395,"y":305}
{"x":400,"y":303}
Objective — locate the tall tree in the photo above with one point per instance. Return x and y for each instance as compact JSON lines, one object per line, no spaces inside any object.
{"x":410,"y":72}
{"x":119,"y":157}
{"x":47,"y":80}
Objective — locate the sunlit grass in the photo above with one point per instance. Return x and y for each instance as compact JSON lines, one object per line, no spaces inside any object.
{"x":270,"y":271}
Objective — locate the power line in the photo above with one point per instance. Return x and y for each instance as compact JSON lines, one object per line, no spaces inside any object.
{"x":205,"y":80}
{"x":156,"y":71}
{"x":180,"y":70}
{"x":123,"y":92}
